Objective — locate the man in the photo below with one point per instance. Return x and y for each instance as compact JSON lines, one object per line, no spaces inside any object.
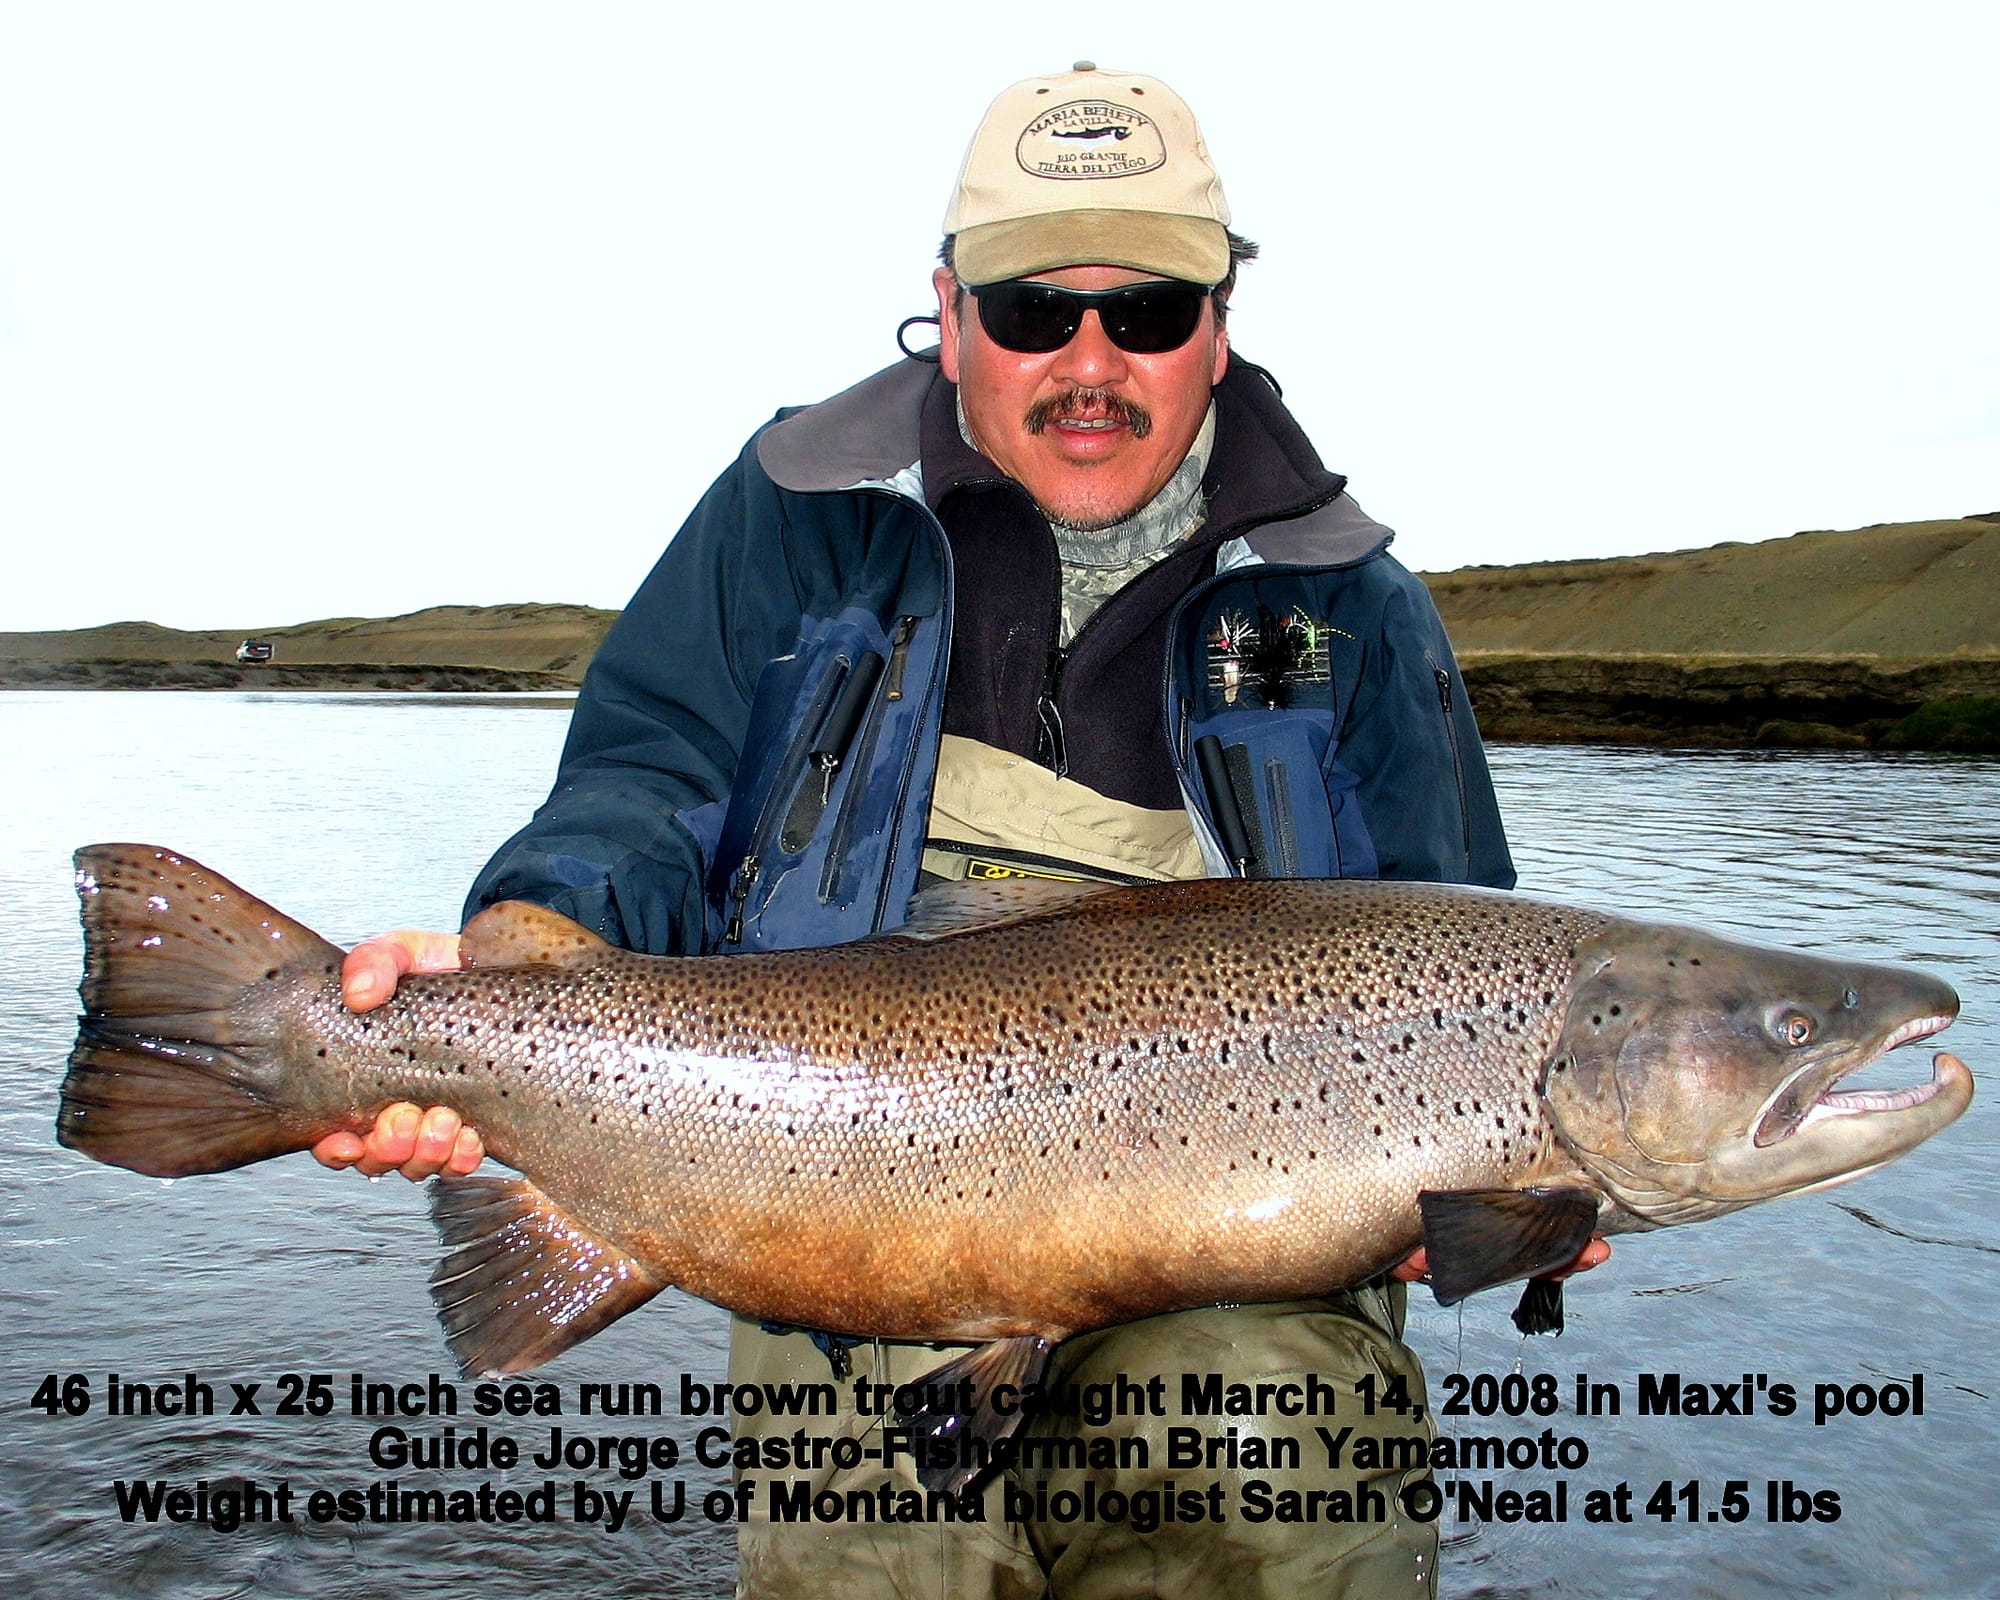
{"x":1078,"y":600}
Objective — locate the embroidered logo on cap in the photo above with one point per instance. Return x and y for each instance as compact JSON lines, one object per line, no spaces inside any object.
{"x":1090,"y":139}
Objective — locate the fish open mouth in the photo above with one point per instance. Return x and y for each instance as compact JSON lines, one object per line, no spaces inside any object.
{"x":1808,"y":1096}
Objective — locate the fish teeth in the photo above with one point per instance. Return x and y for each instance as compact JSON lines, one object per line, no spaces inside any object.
{"x":1919,"y":1028}
{"x":1846,"y":1102}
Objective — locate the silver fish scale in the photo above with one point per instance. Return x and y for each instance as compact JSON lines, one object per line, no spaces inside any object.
{"x":1167,"y":1096}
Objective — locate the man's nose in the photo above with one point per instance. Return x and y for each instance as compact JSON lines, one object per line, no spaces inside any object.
{"x":1090,"y":360}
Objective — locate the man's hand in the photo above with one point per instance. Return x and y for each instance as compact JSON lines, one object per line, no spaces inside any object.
{"x":370,"y":973}
{"x":406,"y":1138}
{"x":1416,"y":1266}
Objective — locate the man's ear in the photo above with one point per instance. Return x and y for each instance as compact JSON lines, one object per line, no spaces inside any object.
{"x":1221,"y":355}
{"x":949,"y":295}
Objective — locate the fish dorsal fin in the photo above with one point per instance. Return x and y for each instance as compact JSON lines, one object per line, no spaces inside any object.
{"x":969,"y":906}
{"x":516,"y":933}
{"x":524,"y":1280}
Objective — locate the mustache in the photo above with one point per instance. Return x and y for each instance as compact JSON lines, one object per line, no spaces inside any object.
{"x":1080,"y":402}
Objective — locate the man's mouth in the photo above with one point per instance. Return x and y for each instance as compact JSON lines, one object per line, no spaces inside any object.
{"x":1088,"y":411}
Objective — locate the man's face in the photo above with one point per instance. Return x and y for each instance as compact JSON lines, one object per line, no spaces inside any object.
{"x":1092,"y":432}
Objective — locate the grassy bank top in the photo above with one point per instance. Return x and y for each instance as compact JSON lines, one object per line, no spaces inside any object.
{"x":1902,"y":590}
{"x":533,"y":638}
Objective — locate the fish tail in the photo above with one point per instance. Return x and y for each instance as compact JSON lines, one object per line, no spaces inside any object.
{"x":172,"y":1074}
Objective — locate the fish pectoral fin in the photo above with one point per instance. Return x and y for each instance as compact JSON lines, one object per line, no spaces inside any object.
{"x":956,"y":1407}
{"x":1476,"y":1238}
{"x":524,"y":1280}
{"x":1541,"y":1307}
{"x":516,"y":933}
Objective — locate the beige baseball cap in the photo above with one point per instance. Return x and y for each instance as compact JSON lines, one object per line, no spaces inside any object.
{"x":1088,"y":168}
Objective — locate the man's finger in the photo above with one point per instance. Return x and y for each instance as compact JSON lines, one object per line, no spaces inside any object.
{"x":1594,"y":1254}
{"x":368,"y":974}
{"x":371,"y":970}
{"x":393,"y":1141}
{"x":1413,"y":1268}
{"x":339,"y":1151}
{"x":466,"y":1153}
{"x":436,"y":1141}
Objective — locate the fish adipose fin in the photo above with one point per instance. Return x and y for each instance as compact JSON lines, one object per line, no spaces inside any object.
{"x":166,"y":1079}
{"x":516,"y":933}
{"x":524,"y":1281}
{"x":956,"y":1423}
{"x":1477,"y":1238}
{"x":1541,"y":1307}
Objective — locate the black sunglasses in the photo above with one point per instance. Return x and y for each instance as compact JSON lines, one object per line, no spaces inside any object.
{"x":1144,"y":319}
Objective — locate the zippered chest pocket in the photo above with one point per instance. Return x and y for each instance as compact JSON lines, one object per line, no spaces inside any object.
{"x":1260,"y":682}
{"x":809,"y":833}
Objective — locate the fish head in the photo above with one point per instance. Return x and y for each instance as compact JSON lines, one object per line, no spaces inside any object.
{"x":1696,"y":1074}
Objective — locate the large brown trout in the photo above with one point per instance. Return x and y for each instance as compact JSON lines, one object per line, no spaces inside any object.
{"x":1028,"y":1113}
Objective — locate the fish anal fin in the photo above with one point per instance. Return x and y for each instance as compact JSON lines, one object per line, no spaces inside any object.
{"x":516,"y":933}
{"x":972,"y":904}
{"x":946,"y":1423}
{"x":1477,"y":1238}
{"x":524,"y":1280}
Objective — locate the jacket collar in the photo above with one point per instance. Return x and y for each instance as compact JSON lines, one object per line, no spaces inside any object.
{"x":1265,"y":481}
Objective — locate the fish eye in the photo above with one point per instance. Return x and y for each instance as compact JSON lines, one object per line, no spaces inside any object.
{"x":1796,"y":1029}
{"x":1850,"y":1000}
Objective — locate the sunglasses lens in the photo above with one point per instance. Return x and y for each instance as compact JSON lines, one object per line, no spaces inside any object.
{"x":1148,"y":319}
{"x":1031,"y":318}
{"x":1035,"y":318}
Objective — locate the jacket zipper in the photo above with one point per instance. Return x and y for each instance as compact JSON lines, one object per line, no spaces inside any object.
{"x":899,"y":655}
{"x":939,"y":667}
{"x":1443,"y":681}
{"x":1051,"y":747}
{"x":778,"y":801}
{"x":1284,"y":832}
{"x":858,"y":758}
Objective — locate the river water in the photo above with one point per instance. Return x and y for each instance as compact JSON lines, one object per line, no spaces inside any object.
{"x":355,"y":812}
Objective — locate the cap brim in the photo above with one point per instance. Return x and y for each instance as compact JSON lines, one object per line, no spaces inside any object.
{"x":1193,"y":249}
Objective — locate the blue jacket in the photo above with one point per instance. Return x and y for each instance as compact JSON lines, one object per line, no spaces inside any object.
{"x":750,"y":761}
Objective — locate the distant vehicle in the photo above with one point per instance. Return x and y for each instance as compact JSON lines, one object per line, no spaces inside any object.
{"x":255,"y":650}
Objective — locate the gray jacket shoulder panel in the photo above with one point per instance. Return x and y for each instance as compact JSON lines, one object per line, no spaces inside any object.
{"x":866,"y":434}
{"x":1337,"y":534}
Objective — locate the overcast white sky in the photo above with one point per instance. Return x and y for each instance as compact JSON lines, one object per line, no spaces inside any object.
{"x":337,"y":309}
